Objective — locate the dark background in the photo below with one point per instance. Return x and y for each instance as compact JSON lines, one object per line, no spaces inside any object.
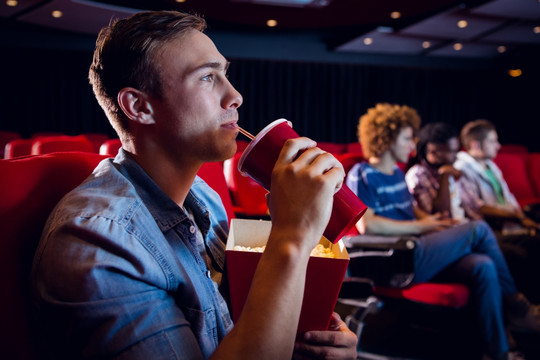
{"x":45,"y":87}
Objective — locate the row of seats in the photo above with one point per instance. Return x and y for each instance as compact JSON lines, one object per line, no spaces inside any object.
{"x":520,"y":168}
{"x":13,"y":145}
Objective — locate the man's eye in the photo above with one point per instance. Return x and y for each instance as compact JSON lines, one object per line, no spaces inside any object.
{"x":208,"y":77}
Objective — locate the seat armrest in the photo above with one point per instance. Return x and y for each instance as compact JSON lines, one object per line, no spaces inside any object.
{"x":386,"y":261}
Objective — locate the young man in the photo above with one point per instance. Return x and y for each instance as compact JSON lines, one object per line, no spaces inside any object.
{"x":482,"y":187}
{"x":466,"y":252}
{"x":431,"y":178}
{"x":129,"y":263}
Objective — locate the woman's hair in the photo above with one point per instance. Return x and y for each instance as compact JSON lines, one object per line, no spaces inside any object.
{"x":125,"y":52}
{"x":436,"y":133}
{"x":380,"y":126}
{"x":476,"y":130}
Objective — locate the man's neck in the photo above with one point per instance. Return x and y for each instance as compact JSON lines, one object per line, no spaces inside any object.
{"x":479,"y":159}
{"x":174,"y":180}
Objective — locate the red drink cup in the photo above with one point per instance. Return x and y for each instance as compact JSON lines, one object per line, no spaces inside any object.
{"x":259,"y":159}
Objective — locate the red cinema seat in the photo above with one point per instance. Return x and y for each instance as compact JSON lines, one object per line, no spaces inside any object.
{"x":332,"y":147}
{"x":348,"y":160}
{"x":212,"y":174}
{"x":96,"y":139}
{"x":30,"y":187}
{"x":110,"y":147}
{"x":248,"y":197}
{"x":513,"y":148}
{"x":63,"y":143}
{"x":354,"y":147}
{"x":5,"y":137}
{"x":514,"y":169}
{"x":18,"y":147}
{"x":533,"y":167}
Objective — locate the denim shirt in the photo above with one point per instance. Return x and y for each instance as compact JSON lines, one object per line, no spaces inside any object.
{"x":118,"y":273}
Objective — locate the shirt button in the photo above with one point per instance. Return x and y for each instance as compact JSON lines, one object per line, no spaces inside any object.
{"x":192,"y":229}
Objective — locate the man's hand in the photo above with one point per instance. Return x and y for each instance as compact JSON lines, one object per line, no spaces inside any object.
{"x":304,"y":181}
{"x":336,"y":343}
{"x":435,"y":222}
{"x":450,"y":170}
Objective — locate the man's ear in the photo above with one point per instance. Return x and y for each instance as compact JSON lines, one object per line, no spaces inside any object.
{"x":475,"y":145}
{"x":134,"y":103}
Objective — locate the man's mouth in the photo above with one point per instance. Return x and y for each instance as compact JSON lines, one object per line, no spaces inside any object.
{"x":231,"y":125}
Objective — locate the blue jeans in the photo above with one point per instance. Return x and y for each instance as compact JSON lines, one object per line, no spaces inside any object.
{"x":469,"y":253}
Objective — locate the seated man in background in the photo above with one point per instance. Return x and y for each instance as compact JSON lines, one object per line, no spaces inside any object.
{"x":130,"y":262}
{"x":434,"y":182}
{"x":468,"y":252}
{"x":431,"y":177}
{"x":483,"y":188}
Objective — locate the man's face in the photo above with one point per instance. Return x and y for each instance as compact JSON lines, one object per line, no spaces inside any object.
{"x":197,"y":114}
{"x":442,"y":154}
{"x":490,"y":146}
{"x":404,"y":145}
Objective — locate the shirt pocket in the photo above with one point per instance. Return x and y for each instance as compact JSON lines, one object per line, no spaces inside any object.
{"x":204,"y":327}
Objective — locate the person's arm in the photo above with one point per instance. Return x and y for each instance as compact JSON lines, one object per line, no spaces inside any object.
{"x":374,"y":224}
{"x":506,"y":214}
{"x":300,"y":204}
{"x":442,"y":202}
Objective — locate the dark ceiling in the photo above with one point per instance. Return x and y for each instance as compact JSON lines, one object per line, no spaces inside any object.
{"x":429,"y":28}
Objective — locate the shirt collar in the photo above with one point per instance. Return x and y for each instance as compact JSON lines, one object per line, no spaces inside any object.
{"x":164,"y":210}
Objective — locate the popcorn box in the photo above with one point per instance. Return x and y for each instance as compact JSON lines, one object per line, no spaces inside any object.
{"x":323,"y":279}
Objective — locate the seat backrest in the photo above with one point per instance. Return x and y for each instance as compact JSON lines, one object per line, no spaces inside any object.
{"x":533,"y":167}
{"x":514,"y":169}
{"x":62,"y":143}
{"x":348,"y":160}
{"x":29,"y":188}
{"x":18,"y":147}
{"x":96,"y":139}
{"x":5,"y":137}
{"x":248,"y":197}
{"x":332,"y":147}
{"x":212,"y":174}
{"x":354,"y":147}
{"x":110,"y":147}
{"x":513,"y":148}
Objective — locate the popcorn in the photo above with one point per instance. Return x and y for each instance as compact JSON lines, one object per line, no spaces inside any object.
{"x":321,"y":251}
{"x":318,"y":251}
{"x":259,"y":249}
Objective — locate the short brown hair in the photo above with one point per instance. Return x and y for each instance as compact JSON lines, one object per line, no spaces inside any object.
{"x":476,"y":130}
{"x":379,"y":127}
{"x":124,"y":55}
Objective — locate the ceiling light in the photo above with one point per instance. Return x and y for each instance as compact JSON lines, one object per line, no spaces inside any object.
{"x":12,"y":3}
{"x":536,"y":29}
{"x":458,"y":46}
{"x":426,"y":44}
{"x":368,"y":41}
{"x":501,"y":49}
{"x":271,"y":23}
{"x":462,"y":24}
{"x":395,"y":15}
{"x":180,"y":1}
{"x":57,"y":14}
{"x":514,"y":72}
